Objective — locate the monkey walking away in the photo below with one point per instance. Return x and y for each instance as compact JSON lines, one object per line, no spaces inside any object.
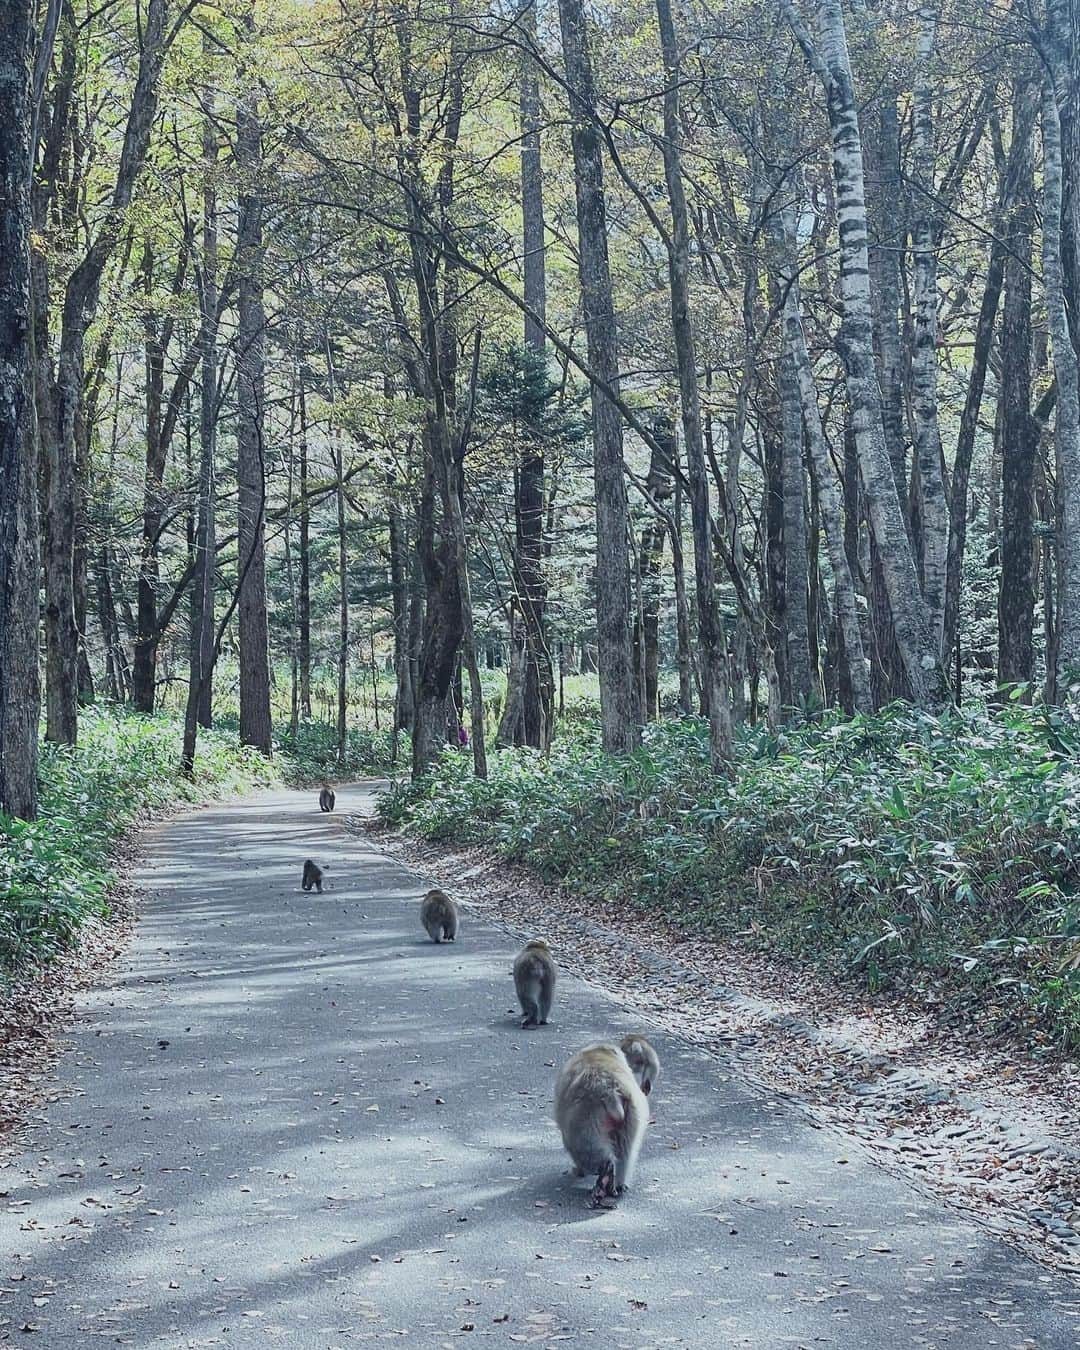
{"x":602,"y":1113}
{"x":439,"y":915}
{"x":534,"y":979}
{"x":326,"y":798}
{"x":312,"y":877}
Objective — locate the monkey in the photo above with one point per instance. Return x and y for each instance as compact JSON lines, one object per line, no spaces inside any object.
{"x":326,"y":798}
{"x":534,"y":979}
{"x":643,"y":1060}
{"x":312,"y":876}
{"x":602,"y":1114}
{"x":439,"y":915}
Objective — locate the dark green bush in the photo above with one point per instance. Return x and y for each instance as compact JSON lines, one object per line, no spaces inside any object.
{"x":903,"y":843}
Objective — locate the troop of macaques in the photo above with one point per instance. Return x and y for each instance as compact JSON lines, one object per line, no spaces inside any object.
{"x":439,"y":915}
{"x":326,"y":798}
{"x":602,"y":1111}
{"x":534,"y":979}
{"x":601,"y":1093}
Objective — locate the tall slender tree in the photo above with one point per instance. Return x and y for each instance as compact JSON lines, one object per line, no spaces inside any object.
{"x":18,"y":451}
{"x":251,"y":468}
{"x":617,"y":702}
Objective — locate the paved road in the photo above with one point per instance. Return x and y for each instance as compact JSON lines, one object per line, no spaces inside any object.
{"x":292,"y":1121}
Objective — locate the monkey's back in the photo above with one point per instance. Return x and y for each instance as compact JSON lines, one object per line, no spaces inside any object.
{"x":438,"y":914}
{"x":534,"y":967}
{"x":599,"y":1108}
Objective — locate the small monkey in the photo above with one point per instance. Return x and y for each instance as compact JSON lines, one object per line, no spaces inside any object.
{"x":326,"y":798}
{"x":439,"y":915}
{"x":534,"y":979}
{"x":643,"y":1060}
{"x":312,"y":876}
{"x":603,"y":1115}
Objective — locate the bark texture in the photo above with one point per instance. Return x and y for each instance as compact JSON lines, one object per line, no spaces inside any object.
{"x":255,"y":727}
{"x":18,"y":458}
{"x":714,"y":655}
{"x":1019,"y":439}
{"x":617,"y":701}
{"x":1067,"y":416}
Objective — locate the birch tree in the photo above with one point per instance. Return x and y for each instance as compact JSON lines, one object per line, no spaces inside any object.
{"x":914,"y":634}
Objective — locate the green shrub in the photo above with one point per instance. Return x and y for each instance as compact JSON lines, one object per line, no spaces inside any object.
{"x":55,"y":871}
{"x":311,"y":755}
{"x":944,"y":849}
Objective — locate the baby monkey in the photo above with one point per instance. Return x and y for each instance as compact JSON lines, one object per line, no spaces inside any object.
{"x":439,"y":915}
{"x":602,"y":1112}
{"x":326,"y":798}
{"x":312,"y":876}
{"x":534,"y":979}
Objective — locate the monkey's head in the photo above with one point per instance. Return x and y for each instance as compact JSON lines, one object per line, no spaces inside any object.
{"x":643,"y":1060}
{"x":537,"y":945}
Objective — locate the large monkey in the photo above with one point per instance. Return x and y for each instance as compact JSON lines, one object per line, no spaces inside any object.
{"x":602,"y":1113}
{"x":326,"y":798}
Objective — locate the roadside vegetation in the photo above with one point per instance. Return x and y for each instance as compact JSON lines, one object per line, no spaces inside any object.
{"x":907,"y":850}
{"x":56,"y":871}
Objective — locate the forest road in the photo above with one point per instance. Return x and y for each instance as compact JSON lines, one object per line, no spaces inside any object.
{"x":289,"y":1119}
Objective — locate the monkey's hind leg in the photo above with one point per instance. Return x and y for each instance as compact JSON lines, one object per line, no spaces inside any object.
{"x":605,"y":1190}
{"x":532,"y":1012}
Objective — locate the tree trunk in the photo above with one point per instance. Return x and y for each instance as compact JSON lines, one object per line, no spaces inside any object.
{"x":933,"y":515}
{"x":617,"y":702}
{"x":969,"y":426}
{"x":60,"y":439}
{"x":399,"y":590}
{"x":1062,"y":47}
{"x":710,"y":627}
{"x":510,"y":721}
{"x":1067,"y":416}
{"x":442,"y":623}
{"x":847,"y":608}
{"x":646,"y":634}
{"x":539,"y":679}
{"x":304,"y":644}
{"x":255,"y":725}
{"x":795,"y":633}
{"x":453,"y":514}
{"x":338,"y":460}
{"x":1019,"y":441}
{"x":201,"y":647}
{"x":915,"y":638}
{"x":19,"y":692}
{"x":146,"y":638}
{"x":772,"y":513}
{"x":683,"y":657}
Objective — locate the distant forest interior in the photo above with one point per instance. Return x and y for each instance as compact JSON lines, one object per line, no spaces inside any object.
{"x":647,"y":431}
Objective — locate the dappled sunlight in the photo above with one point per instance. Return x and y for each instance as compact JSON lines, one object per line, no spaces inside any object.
{"x":289,"y":1111}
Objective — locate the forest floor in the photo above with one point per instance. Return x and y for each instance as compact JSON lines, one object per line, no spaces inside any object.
{"x":289,"y":1119}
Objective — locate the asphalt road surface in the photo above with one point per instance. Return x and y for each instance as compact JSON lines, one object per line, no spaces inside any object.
{"x":291,"y":1120}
